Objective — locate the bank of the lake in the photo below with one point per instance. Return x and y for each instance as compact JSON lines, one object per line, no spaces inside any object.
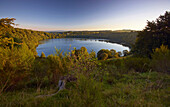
{"x":124,"y":38}
{"x":68,"y":44}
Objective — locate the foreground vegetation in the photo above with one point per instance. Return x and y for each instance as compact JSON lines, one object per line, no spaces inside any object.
{"x":105,"y":80}
{"x":119,"y":82}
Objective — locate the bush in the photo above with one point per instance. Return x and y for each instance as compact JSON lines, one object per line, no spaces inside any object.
{"x":86,"y":93}
{"x":125,"y":52}
{"x":92,"y":54}
{"x":103,"y":52}
{"x":137,"y":64}
{"x":39,"y":72}
{"x":103,"y":56}
{"x":79,"y":53}
{"x":15,"y":65}
{"x":161,"y":59}
{"x":119,"y":54}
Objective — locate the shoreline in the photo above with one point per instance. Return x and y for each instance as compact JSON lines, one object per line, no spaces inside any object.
{"x":93,"y":39}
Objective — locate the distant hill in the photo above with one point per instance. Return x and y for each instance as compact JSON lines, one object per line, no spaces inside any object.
{"x":56,"y":31}
{"x":123,"y":30}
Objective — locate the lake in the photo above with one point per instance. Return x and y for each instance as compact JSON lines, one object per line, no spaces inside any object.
{"x":68,"y":44}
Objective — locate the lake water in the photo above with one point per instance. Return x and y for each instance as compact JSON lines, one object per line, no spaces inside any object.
{"x":68,"y":44}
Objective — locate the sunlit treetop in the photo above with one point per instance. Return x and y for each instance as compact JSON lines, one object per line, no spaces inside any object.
{"x":7,"y":22}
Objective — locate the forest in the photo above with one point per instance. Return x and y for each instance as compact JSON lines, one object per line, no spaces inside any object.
{"x":140,"y":77}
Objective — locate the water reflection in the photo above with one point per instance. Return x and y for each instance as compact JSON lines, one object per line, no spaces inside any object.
{"x":48,"y":46}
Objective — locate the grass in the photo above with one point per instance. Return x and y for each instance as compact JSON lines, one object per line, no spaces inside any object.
{"x":144,"y":89}
{"x":132,"y":89}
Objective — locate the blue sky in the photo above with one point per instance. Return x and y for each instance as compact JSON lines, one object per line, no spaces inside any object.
{"x":49,"y":15}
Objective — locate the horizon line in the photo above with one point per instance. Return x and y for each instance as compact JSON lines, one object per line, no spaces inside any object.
{"x":79,"y":30}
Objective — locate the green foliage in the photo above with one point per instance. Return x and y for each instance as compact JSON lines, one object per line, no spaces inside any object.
{"x":161,"y":59}
{"x":57,"y":67}
{"x":92,"y":54}
{"x":30,"y":37}
{"x":7,"y":22}
{"x":85,"y":63}
{"x":153,"y":36}
{"x":86,"y":93}
{"x":80,"y":53}
{"x":119,"y":54}
{"x":125,"y":52}
{"x":104,"y":54}
{"x":137,"y":64}
{"x":39,"y":72}
{"x":113,"y":51}
{"x":144,"y":89}
{"x":15,"y":65}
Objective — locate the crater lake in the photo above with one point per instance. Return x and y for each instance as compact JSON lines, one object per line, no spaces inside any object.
{"x":67,"y":44}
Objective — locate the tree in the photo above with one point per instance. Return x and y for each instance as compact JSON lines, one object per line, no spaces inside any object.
{"x":43,"y":55}
{"x":110,"y":54}
{"x":119,"y":54}
{"x":7,"y":22}
{"x":80,"y":53}
{"x":102,"y":51}
{"x":125,"y":52}
{"x":113,"y":52}
{"x":15,"y":63}
{"x":92,"y":54}
{"x":153,"y":36}
{"x":103,"y":56}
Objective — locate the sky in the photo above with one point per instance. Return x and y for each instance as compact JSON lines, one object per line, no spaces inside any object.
{"x":78,"y":15}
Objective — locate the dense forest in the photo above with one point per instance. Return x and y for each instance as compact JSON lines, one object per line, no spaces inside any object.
{"x":140,"y":77}
{"x":9,"y":34}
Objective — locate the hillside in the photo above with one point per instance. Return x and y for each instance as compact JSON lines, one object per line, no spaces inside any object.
{"x":19,"y":36}
{"x":121,"y":37}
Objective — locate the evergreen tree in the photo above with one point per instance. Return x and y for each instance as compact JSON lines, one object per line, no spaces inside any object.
{"x":153,"y":36}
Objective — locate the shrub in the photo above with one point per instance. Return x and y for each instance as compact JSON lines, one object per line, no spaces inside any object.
{"x":92,"y":54}
{"x":100,"y":54}
{"x":103,"y":56}
{"x":87,"y":92}
{"x":39,"y":72}
{"x":15,"y":65}
{"x":125,"y":52}
{"x":113,"y":52}
{"x":137,"y":64}
{"x":82,"y":52}
{"x":57,"y":67}
{"x":161,"y":59}
{"x":119,"y":54}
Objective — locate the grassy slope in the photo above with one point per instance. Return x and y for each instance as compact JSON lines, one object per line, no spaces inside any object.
{"x":133,"y":89}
